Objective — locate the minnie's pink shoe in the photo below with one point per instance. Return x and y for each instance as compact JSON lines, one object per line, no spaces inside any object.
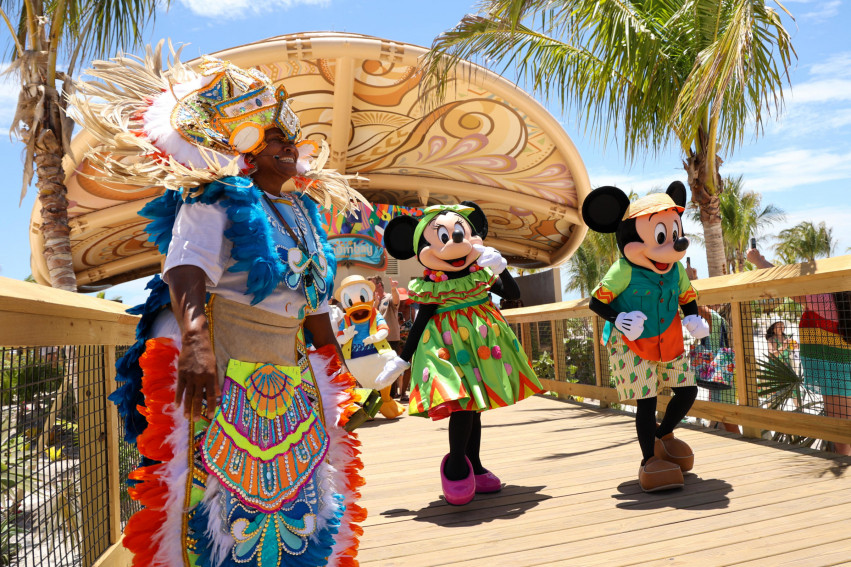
{"x":458,"y":492}
{"x":487,"y":482}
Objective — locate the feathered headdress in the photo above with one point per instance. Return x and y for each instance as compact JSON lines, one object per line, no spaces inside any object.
{"x":181,"y":129}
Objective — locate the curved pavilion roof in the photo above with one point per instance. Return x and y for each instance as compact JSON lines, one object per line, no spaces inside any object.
{"x":489,"y":142}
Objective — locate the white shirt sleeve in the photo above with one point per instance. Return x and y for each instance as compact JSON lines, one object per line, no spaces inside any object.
{"x":198,"y":240}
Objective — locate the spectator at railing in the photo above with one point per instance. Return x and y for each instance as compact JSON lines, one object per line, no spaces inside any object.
{"x":825,"y":329}
{"x":780,"y":344}
{"x":712,"y":345}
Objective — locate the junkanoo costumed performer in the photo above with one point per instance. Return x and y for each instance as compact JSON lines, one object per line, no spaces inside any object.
{"x":640,"y":297}
{"x":246,"y":460}
{"x":463,"y":356}
{"x":362,"y":333}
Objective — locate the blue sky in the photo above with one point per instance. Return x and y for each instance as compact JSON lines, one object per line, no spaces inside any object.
{"x":801,"y":163}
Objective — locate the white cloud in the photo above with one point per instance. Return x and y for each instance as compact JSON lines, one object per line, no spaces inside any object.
{"x":240,"y":9}
{"x":837,"y":65}
{"x":823,"y":90}
{"x":822,"y":11}
{"x":793,"y":167}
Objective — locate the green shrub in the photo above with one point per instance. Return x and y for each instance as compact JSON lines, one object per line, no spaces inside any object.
{"x":26,"y":376}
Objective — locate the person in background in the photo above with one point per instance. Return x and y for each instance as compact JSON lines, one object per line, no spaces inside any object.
{"x":335,"y":312}
{"x":388,"y":306}
{"x":779,"y":343}
{"x":718,"y":338}
{"x":825,"y":336}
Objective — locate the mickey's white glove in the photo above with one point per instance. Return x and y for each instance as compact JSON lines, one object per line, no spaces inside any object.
{"x":347,"y":335}
{"x":631,"y":324}
{"x":490,"y":258}
{"x":378,"y":336}
{"x":697,"y":326}
{"x":392,"y":369}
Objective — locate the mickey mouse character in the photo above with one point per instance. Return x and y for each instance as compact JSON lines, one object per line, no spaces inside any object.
{"x":464,"y":358}
{"x":639,"y":298}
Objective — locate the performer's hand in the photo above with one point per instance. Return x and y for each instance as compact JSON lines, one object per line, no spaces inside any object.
{"x":490,"y":258}
{"x":631,"y":324}
{"x":347,"y":335}
{"x":392,"y":369}
{"x":197,"y":377}
{"x":696,"y":326}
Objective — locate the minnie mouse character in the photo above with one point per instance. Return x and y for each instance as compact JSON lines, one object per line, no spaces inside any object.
{"x":464,"y":358}
{"x":639,"y":298}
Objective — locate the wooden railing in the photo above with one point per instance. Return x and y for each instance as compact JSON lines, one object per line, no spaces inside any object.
{"x":35,"y":316}
{"x":737,"y":290}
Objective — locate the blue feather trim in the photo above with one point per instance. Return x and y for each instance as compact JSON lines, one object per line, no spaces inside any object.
{"x":197,"y":528}
{"x":128,"y":374}
{"x":162,"y":211}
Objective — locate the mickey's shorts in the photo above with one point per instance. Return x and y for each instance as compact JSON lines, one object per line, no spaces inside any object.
{"x":636,"y":378}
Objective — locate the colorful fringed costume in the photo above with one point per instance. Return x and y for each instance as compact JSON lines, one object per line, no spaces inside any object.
{"x":273,"y":477}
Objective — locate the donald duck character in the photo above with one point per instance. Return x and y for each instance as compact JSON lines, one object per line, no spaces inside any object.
{"x":362,"y":334}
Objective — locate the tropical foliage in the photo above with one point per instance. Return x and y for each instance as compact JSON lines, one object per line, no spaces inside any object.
{"x":590,"y":262}
{"x":805,"y":242}
{"x":40,"y":32}
{"x":650,"y":74}
{"x":742,"y":217}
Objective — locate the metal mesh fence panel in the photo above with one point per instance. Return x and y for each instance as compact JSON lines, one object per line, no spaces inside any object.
{"x":54,"y":502}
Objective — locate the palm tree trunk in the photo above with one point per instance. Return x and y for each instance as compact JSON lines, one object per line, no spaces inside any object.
{"x":51,"y":194}
{"x":709,"y":206}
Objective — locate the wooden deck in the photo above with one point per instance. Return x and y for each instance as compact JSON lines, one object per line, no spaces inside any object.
{"x":571,"y":497}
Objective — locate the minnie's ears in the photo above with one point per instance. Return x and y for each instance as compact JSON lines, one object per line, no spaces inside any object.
{"x":399,"y":237}
{"x":477,"y":218}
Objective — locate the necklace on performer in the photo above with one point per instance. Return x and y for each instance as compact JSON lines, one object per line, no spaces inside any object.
{"x":307,"y":271}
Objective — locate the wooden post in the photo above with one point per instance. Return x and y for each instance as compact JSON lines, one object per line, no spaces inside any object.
{"x":526,"y":333}
{"x":94,"y":482}
{"x":558,"y":347}
{"x":112,"y":448}
{"x":744,"y":364}
{"x":597,"y":328}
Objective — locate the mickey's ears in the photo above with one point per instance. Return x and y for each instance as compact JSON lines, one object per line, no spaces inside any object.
{"x":604,"y":208}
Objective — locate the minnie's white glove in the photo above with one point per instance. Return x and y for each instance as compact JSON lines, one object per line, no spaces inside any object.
{"x":490,"y":258}
{"x":347,"y":335}
{"x":696,"y":326}
{"x":631,"y":324}
{"x":392,"y":369}
{"x":378,"y":336}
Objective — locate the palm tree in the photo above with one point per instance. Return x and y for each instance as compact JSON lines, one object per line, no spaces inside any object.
{"x":40,"y":30}
{"x":742,"y":217}
{"x":805,"y":242}
{"x":591,"y":261}
{"x":650,"y":74}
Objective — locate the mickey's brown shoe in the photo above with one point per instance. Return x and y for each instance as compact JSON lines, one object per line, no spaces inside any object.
{"x":676,"y":451}
{"x":656,"y":474}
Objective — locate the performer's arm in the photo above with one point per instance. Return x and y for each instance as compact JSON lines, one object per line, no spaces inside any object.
{"x":604,"y":310}
{"x":690,"y":308}
{"x":319,"y":326}
{"x":424,"y":313}
{"x":506,"y":287}
{"x":196,"y":366}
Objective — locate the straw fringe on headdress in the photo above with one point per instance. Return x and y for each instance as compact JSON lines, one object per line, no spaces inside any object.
{"x":133,"y":108}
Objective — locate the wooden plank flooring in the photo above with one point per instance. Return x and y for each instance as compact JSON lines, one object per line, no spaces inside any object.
{"x":571,"y":497}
